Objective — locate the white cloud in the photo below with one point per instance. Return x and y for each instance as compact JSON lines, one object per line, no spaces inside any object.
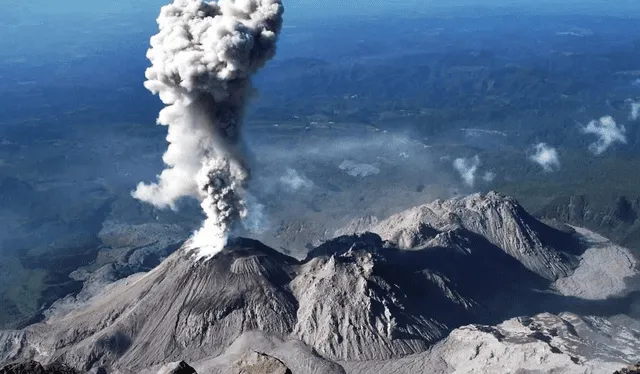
{"x":358,"y":170}
{"x":294,"y":181}
{"x":545,"y":156}
{"x":489,"y":176}
{"x":467,"y":167}
{"x":635,"y":111}
{"x":608,"y":133}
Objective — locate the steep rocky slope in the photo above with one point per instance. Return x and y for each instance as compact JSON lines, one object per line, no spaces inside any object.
{"x":499,"y":219}
{"x":613,"y":216}
{"x":199,"y":308}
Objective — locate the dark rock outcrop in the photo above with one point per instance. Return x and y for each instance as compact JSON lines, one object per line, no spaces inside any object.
{"x":33,"y":367}
{"x":183,"y":368}
{"x":633,"y":369}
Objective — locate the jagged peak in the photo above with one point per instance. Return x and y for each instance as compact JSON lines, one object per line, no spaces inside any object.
{"x":367,"y":242}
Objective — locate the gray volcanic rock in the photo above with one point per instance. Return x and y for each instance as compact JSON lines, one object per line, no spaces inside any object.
{"x":615,"y":216}
{"x":365,"y":318}
{"x":11,"y":343}
{"x":633,"y":369}
{"x":258,"y":363}
{"x":33,"y":367}
{"x":605,"y":270}
{"x":292,"y":353}
{"x":499,"y":219}
{"x":545,"y":343}
{"x":179,"y":368}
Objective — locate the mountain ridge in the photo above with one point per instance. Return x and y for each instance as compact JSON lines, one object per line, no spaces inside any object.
{"x":356,"y":298}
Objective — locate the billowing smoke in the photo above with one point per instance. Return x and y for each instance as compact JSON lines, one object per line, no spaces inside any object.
{"x":467,"y":167}
{"x":202,"y":61}
{"x":545,"y":156}
{"x":608,"y":133}
{"x":635,"y":111}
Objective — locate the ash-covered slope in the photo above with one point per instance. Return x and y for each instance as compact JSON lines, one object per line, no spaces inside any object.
{"x":545,"y":343}
{"x":261,"y":351}
{"x":181,"y":306}
{"x":353,"y":307}
{"x":499,"y":219}
{"x":354,"y":298}
{"x":340,"y":304}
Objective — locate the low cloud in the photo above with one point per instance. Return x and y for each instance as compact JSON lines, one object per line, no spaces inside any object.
{"x":635,"y":111}
{"x":467,"y":167}
{"x":489,"y":176}
{"x":545,"y":156}
{"x":608,"y":133}
{"x":294,"y":181}
{"x":358,"y":170}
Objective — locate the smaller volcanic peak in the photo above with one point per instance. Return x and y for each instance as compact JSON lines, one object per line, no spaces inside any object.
{"x":548,"y":252}
{"x":352,"y":307}
{"x":367,"y":242}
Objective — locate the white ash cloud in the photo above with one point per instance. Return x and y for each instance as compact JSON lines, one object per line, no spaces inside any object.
{"x":202,"y":61}
{"x":608,"y":133}
{"x":467,"y":167}
{"x":545,"y":156}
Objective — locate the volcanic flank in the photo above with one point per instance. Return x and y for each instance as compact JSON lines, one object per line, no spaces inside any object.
{"x":355,"y":298}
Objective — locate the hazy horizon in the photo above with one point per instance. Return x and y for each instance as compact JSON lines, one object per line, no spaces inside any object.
{"x":314,"y":9}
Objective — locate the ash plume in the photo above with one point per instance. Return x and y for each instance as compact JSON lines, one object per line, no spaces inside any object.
{"x":608,"y":133}
{"x":202,"y":60}
{"x":545,"y":156}
{"x":467,"y":167}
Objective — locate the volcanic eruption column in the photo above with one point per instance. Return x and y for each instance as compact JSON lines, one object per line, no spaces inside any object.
{"x":202,"y":61}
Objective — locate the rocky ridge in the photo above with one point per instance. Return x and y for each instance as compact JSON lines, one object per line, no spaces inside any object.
{"x":497,"y":218}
